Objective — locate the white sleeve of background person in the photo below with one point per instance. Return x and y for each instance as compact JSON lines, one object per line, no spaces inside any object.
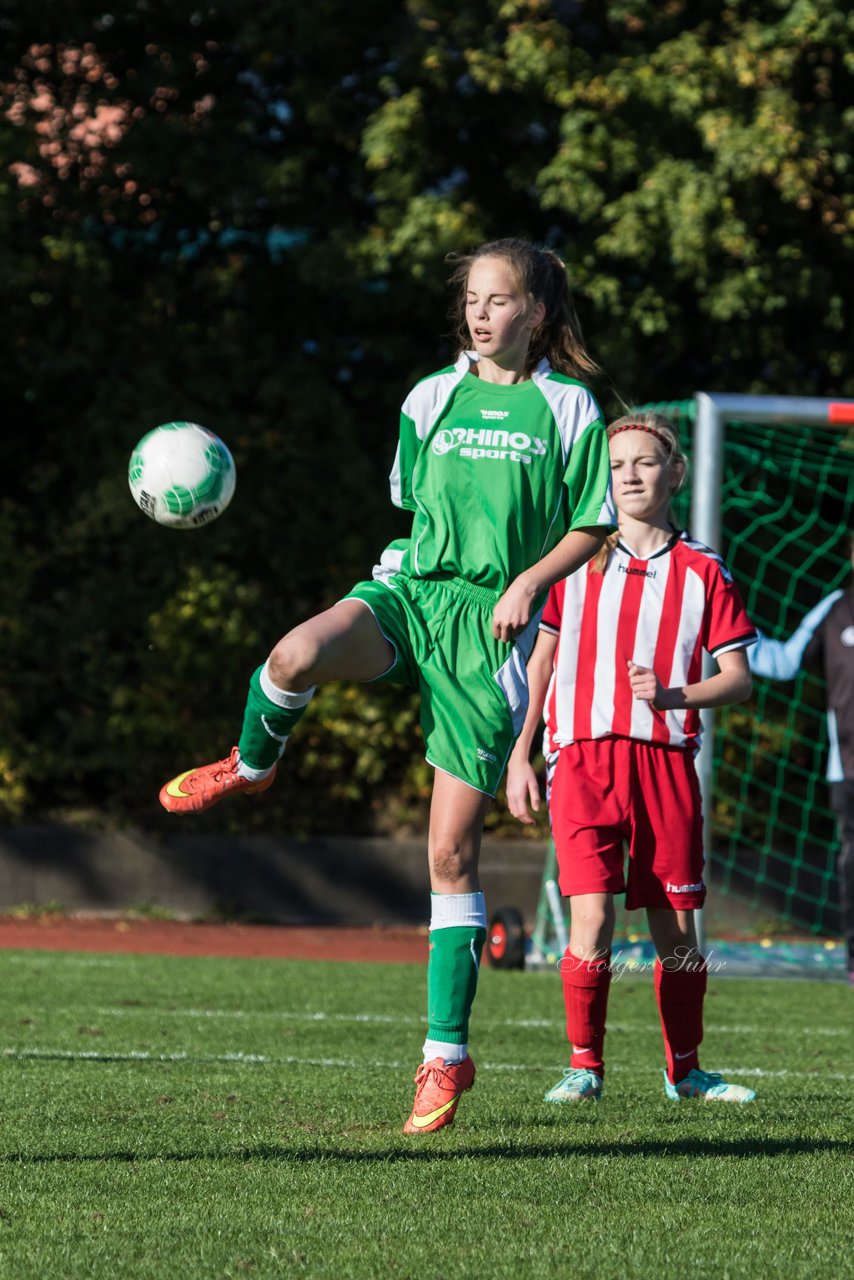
{"x":835,"y":772}
{"x":781,"y":659}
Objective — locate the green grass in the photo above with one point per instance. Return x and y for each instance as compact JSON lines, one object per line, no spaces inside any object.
{"x":213,"y":1118}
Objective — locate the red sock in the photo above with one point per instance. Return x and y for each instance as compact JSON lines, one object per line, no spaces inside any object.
{"x":585,"y":994}
{"x":680,"y":994}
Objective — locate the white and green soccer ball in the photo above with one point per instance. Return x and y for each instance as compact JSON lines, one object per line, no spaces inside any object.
{"x":181,"y":475}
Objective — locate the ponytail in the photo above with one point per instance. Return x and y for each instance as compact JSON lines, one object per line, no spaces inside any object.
{"x":599,"y":562}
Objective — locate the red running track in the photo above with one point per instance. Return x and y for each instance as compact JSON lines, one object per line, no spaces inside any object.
{"x":185,"y":938}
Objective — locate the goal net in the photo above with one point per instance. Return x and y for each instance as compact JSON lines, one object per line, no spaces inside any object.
{"x":784,"y":502}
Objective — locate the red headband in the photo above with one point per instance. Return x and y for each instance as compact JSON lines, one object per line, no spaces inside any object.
{"x":638,"y":426}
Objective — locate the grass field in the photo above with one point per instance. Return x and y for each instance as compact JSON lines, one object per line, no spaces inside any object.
{"x":214,"y":1118}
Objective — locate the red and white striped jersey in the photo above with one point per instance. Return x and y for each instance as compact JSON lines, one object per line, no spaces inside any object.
{"x":660,"y":613}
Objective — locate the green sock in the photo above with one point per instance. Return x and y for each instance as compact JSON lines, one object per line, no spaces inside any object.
{"x":452,"y":969}
{"x":268,"y":721}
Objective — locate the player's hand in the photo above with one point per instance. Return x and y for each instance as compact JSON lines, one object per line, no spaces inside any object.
{"x":513,"y":611}
{"x":646,"y":686}
{"x":522,"y":787}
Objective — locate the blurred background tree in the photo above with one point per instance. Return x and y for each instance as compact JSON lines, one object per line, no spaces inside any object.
{"x":239,"y":215}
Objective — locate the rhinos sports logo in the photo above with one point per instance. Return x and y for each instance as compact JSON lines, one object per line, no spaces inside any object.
{"x":444,"y":442}
{"x":515,"y":446}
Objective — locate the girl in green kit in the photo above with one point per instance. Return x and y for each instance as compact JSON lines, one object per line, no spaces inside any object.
{"x":503,"y":460}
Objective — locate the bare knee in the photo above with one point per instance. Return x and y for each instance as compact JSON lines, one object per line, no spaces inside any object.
{"x":291,"y":664}
{"x":591,"y":925}
{"x":453,"y":867}
{"x":673,"y":932}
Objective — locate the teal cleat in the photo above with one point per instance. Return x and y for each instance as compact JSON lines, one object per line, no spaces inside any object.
{"x":575,"y":1085}
{"x":708,"y":1086}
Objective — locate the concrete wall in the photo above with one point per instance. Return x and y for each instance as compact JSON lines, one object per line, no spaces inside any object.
{"x":263,"y":878}
{"x":335,"y":881}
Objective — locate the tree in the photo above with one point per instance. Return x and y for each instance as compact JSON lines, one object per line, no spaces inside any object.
{"x":689,"y":161}
{"x":208,"y":213}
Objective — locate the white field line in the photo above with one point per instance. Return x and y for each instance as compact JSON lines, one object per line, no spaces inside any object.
{"x":352,"y":1064}
{"x":382,"y":1019}
{"x":793,"y":971}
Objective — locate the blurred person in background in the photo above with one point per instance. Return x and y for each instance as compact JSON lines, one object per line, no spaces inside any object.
{"x":824,"y":642}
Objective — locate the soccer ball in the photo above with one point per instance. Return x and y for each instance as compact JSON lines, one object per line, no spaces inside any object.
{"x":181,"y":475}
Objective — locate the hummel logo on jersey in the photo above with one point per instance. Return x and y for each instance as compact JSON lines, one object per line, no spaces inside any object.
{"x":641,"y":573}
{"x":514,"y":446}
{"x":684,"y":888}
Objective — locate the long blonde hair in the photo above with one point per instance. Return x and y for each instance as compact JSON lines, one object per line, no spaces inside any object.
{"x":663,"y":430}
{"x":542,"y":278}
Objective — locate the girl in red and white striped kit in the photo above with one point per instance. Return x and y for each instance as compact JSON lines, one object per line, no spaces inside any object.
{"x":618,"y":667}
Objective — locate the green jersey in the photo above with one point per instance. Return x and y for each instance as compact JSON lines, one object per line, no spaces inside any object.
{"x":496,"y":475}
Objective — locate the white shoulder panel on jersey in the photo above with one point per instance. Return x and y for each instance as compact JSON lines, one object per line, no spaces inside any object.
{"x":700,"y":547}
{"x":573,"y":406}
{"x":427,"y":399}
{"x":423,"y":406}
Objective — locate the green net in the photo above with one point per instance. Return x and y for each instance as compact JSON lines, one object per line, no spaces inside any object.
{"x":786,"y":512}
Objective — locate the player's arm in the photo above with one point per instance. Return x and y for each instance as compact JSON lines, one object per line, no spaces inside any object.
{"x":513,"y":611}
{"x":522,"y":785}
{"x":587,"y":478}
{"x":783,"y":659}
{"x":732,"y":683}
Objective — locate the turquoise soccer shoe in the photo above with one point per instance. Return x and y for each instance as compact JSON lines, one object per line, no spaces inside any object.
{"x":708,"y":1086}
{"x":575,"y":1085}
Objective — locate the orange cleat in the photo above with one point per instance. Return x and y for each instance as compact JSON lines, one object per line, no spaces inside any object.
{"x":440,"y":1087}
{"x":198,"y":789}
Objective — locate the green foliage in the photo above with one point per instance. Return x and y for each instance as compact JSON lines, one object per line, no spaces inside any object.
{"x":209,"y":213}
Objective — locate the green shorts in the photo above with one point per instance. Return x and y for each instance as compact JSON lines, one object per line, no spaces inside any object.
{"x":474,"y":688}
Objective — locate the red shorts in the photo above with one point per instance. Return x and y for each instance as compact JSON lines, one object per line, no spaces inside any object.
{"x":607,"y":791}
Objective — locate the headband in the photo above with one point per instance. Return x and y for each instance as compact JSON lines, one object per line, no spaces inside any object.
{"x":638,"y":426}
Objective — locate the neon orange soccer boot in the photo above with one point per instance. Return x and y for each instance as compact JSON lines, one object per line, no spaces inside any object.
{"x":198,"y":789}
{"x":440,"y":1087}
